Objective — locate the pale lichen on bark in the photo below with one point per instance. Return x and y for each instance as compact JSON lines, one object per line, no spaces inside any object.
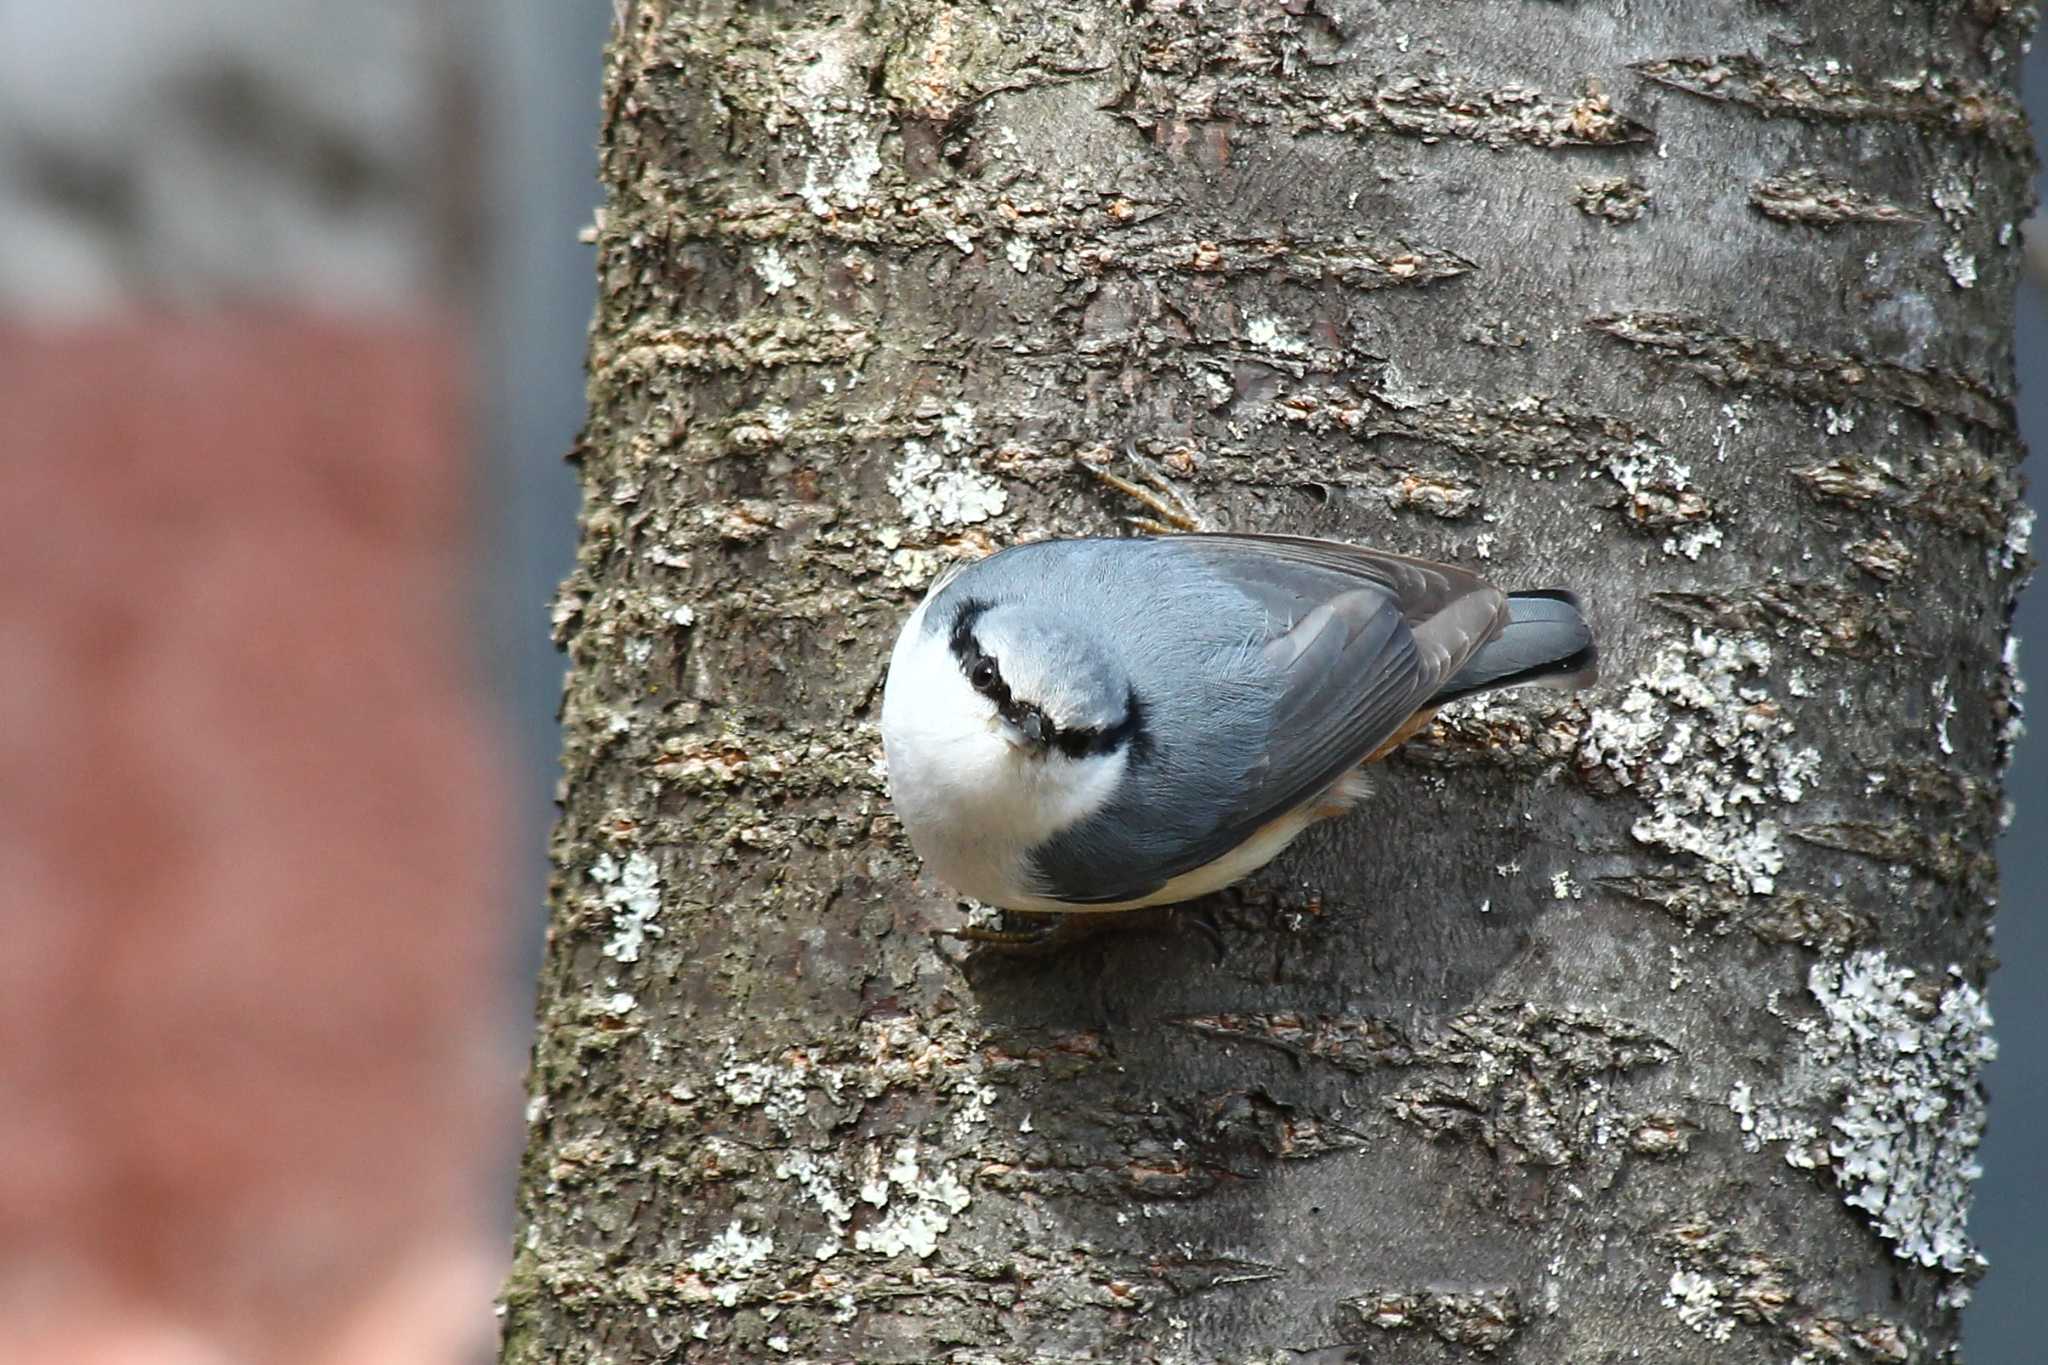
{"x":1645,"y":1019}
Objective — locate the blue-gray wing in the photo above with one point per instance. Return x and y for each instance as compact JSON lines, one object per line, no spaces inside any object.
{"x":1346,"y":645}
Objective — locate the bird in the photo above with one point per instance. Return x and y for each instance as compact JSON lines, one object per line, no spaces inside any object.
{"x":1110,"y":723}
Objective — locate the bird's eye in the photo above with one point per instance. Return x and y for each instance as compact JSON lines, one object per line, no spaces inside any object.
{"x":983,"y":675}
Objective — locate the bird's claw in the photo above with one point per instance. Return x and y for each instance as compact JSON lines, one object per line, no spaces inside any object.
{"x":1172,"y":513}
{"x":1022,"y":941}
{"x":1050,"y":933}
{"x":1045,"y":935}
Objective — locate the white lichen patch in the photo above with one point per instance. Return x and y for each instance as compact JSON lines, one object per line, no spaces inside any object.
{"x":632,"y":892}
{"x":897,"y":1053}
{"x":1712,"y":756}
{"x":916,"y":1193}
{"x":2018,"y":542}
{"x":909,"y":568}
{"x":957,"y":429}
{"x":900,"y":1054}
{"x":1264,"y":333}
{"x":814,"y":1175}
{"x":722,"y":1267}
{"x":2013,"y":687}
{"x":1735,"y":415}
{"x":1904,"y":1139}
{"x":1954,"y":196}
{"x":818,"y":1177}
{"x":863,"y":163}
{"x":1762,"y":1122}
{"x":825,"y":83}
{"x":1691,"y":542}
{"x":1700,"y":1304}
{"x":774,"y":271}
{"x":935,"y":492}
{"x":1658,"y":491}
{"x":1961,"y":265}
{"x":1944,"y":711}
{"x":920,"y":1206}
{"x":781,"y":1087}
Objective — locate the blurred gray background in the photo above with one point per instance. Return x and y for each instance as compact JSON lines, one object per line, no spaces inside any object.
{"x":534,"y":307}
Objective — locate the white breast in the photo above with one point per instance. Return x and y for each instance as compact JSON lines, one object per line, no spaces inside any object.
{"x":973,"y":803}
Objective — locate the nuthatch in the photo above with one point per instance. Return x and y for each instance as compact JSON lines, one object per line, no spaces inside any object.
{"x":1103,"y":724}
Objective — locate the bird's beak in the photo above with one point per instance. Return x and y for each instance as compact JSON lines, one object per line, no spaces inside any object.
{"x":1026,"y":728}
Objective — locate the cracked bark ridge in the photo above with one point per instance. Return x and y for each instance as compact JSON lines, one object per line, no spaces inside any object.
{"x":1615,"y":198}
{"x":1733,"y":360}
{"x":1806,"y":195}
{"x":1643,"y":1020}
{"x":1828,"y":89}
{"x":1483,"y":1320}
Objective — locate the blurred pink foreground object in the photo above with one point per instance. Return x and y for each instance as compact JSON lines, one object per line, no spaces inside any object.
{"x":248,"y":821}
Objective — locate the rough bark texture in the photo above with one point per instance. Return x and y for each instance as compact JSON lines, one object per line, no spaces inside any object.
{"x":1643,"y":1024}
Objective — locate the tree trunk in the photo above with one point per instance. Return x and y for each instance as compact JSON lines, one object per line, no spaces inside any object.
{"x":1641,"y":1024}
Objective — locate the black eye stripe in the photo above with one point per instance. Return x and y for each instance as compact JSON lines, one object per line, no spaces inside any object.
{"x":1131,"y":731}
{"x":1074,"y":742}
{"x":961,"y":639}
{"x":983,"y":673}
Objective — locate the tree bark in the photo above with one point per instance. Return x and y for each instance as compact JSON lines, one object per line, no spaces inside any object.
{"x":1640,"y":1024}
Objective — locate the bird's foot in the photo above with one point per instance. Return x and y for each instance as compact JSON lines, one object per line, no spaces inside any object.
{"x":1171,"y":511}
{"x":1027,"y":934}
{"x":1033,"y":935}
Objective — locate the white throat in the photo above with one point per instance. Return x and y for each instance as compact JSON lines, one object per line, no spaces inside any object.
{"x":974,"y":803}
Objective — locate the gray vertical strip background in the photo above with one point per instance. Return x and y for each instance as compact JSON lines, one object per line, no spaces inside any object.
{"x":538,"y":107}
{"x":539,"y":111}
{"x":2010,"y":1220}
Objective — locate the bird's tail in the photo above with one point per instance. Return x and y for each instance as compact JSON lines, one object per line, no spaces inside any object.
{"x":1546,"y":641}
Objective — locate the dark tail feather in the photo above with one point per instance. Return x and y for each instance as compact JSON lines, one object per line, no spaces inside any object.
{"x":1546,"y":641}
